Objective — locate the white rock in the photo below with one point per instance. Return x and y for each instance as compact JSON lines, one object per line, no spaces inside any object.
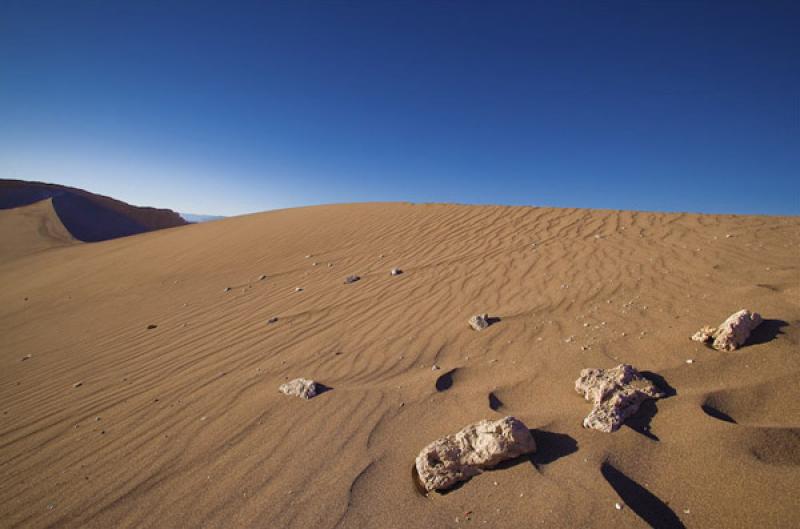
{"x":298,"y":289}
{"x":479,"y":322}
{"x":227,"y":289}
{"x":478,"y":446}
{"x":300,"y":387}
{"x":395,"y":272}
{"x":616,"y":394}
{"x":731,"y":333}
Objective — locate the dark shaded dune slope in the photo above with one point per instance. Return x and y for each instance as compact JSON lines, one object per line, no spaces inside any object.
{"x":87,"y":216}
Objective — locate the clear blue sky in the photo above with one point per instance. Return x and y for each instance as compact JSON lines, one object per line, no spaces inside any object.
{"x":233,"y":107}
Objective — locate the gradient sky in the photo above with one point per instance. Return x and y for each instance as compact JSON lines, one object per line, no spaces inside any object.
{"x":233,"y":107}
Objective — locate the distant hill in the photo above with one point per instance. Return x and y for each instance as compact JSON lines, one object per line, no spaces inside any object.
{"x":87,"y":216}
{"x":194,"y":218}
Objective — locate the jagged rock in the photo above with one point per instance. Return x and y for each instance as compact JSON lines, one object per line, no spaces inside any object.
{"x":616,"y":394}
{"x":351,"y":279}
{"x":478,"y":446}
{"x":731,"y":333}
{"x":479,"y":322}
{"x":300,"y":387}
{"x":395,"y":272}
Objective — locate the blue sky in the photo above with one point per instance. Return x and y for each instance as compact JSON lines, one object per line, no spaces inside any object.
{"x":234,"y":107}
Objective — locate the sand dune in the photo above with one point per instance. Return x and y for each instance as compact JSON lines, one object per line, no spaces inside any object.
{"x":31,"y":229}
{"x":182,"y":425}
{"x":88,"y":216}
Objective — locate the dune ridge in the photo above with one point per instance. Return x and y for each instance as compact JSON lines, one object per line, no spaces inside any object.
{"x":192,"y":431}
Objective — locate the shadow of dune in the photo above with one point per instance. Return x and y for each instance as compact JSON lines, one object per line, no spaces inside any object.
{"x":445,"y":381}
{"x":644,"y":503}
{"x":766,"y":332}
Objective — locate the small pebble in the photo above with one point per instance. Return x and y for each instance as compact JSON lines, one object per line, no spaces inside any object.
{"x":77,"y":384}
{"x":272,"y":319}
{"x":227,"y":289}
{"x":618,"y":506}
{"x":690,"y":361}
{"x":435,"y":367}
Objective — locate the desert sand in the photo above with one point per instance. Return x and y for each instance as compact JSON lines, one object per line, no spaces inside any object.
{"x":106,"y":423}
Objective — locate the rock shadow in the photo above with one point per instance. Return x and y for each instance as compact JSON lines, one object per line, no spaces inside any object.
{"x":644,"y":503}
{"x":494,"y":402}
{"x":322,"y":388}
{"x":491,"y":320}
{"x":551,"y":446}
{"x":640,"y":421}
{"x":766,"y":332}
{"x":445,"y":381}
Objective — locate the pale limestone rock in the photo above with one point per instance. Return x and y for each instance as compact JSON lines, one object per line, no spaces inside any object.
{"x":479,"y":322}
{"x":616,"y":394}
{"x":732,"y":333}
{"x":300,"y":387}
{"x":478,"y":446}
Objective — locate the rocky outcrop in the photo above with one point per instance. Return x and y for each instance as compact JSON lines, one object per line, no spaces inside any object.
{"x":616,"y":394}
{"x":731,"y":333}
{"x":300,"y":387}
{"x":478,"y":446}
{"x":479,"y":322}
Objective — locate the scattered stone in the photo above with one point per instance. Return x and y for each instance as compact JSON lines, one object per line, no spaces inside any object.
{"x":395,"y":272}
{"x":298,"y":289}
{"x":300,"y":387}
{"x":309,"y":256}
{"x":330,"y":265}
{"x":731,"y":333}
{"x":478,"y":446}
{"x":479,"y":322}
{"x":273,"y":319}
{"x":151,"y":326}
{"x":618,"y":506}
{"x":26,"y":357}
{"x":227,"y":289}
{"x":690,"y":361}
{"x":351,"y":279}
{"x":616,"y":394}
{"x":77,"y":384}
{"x":314,"y":263}
{"x":262,"y":277}
{"x":435,"y":367}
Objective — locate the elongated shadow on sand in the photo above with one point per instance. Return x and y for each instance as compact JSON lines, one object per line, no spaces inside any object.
{"x":711,"y":411}
{"x":640,"y":421}
{"x":766,"y":332}
{"x":644,"y":503}
{"x":494,"y":402}
{"x":445,"y":381}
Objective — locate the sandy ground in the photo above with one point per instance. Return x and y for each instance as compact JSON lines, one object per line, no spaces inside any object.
{"x":182,"y":425}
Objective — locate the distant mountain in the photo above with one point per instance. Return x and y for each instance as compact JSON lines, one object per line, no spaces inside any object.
{"x":195,"y":218}
{"x":87,"y":216}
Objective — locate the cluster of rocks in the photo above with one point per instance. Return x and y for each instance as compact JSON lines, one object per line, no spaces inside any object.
{"x":731,"y":333}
